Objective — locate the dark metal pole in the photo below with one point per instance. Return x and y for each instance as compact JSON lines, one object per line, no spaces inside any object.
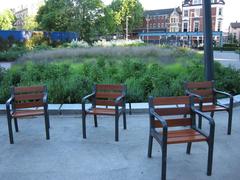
{"x":208,"y":49}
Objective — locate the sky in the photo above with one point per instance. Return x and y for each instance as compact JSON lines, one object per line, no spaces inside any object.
{"x":231,"y":10}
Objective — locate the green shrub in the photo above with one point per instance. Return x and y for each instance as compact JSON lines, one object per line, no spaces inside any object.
{"x":68,"y":81}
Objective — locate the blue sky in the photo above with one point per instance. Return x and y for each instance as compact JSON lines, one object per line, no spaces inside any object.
{"x":231,"y":10}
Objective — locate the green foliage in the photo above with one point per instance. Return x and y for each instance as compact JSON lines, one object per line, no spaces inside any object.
{"x":7,"y":19}
{"x":30,"y":23}
{"x":55,"y":15}
{"x":83,"y":16}
{"x":127,"y":10}
{"x":37,"y":39}
{"x":68,"y":81}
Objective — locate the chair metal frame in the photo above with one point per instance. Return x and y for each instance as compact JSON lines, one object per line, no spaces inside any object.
{"x":119,"y":101}
{"x":24,"y":102}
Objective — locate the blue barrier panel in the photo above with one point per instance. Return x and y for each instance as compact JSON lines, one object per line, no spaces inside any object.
{"x":24,"y":35}
{"x":17,"y":35}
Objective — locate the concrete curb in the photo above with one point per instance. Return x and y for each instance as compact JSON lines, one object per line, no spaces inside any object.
{"x":68,"y":109}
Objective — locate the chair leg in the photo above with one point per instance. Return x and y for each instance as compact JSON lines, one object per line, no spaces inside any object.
{"x":116,"y":127}
{"x":10,"y":131}
{"x":150,"y":142}
{"x":212,"y":114}
{"x":210,"y":159}
{"x":47,"y":126}
{"x":164,"y":161}
{"x":199,"y":122}
{"x":16,"y":124}
{"x":130,"y":109}
{"x":229,"y":122}
{"x":124,"y":120}
{"x":95,"y":121}
{"x":84,"y":125}
{"x":189,"y":145}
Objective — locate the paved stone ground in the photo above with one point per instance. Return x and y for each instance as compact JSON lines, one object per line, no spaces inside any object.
{"x":5,"y":65}
{"x":227,"y":58}
{"x":66,"y":156}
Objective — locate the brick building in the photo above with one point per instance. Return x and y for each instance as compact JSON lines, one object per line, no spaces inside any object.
{"x":164,"y":20}
{"x":234,"y":32}
{"x":161,"y":20}
{"x":26,"y":10}
{"x":192,"y":17}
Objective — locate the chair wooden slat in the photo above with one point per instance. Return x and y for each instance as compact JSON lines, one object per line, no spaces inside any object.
{"x":170,"y":100}
{"x":102,"y":111}
{"x":112,"y":87}
{"x":203,"y":92}
{"x":29,"y":104}
{"x":25,"y":113}
{"x":174,"y":122}
{"x":172,"y":111}
{"x":205,"y":84}
{"x":29,"y":89}
{"x":105,"y":102}
{"x":20,"y":97}
{"x":107,"y":95}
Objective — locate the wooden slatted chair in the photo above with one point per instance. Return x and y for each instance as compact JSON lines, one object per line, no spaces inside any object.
{"x":206,"y":94}
{"x":108,"y":100}
{"x":168,"y":126}
{"x":27,"y":101}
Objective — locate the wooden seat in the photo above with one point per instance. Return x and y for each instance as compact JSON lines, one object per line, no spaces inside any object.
{"x":25,"y":113}
{"x":27,"y":101}
{"x":102,"y":111}
{"x":113,"y":98}
{"x":168,"y":126}
{"x":183,"y":136}
{"x":205,"y":94}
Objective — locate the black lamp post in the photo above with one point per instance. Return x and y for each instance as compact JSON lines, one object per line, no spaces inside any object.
{"x":208,"y":49}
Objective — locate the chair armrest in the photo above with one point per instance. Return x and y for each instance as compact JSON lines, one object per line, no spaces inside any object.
{"x":222,"y":92}
{"x":194,"y":95}
{"x":159,"y":118}
{"x":45,"y":99}
{"x":8,"y":102}
{"x":209,"y":119}
{"x":119,"y":99}
{"x":225,"y":94}
{"x":84,"y":99}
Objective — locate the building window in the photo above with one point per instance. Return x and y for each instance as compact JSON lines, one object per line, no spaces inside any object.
{"x":213,"y":1}
{"x":154,"y":25}
{"x":196,"y":26}
{"x":197,"y":12}
{"x":220,"y":12}
{"x":197,"y":1}
{"x":185,"y":27}
{"x":158,"y":25}
{"x":219,"y":25}
{"x":173,"y":20}
{"x":185,"y":13}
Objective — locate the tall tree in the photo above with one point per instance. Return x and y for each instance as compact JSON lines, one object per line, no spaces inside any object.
{"x":86,"y":17}
{"x":7,"y":19}
{"x":30,"y":23}
{"x":127,"y":10}
{"x":81,"y":16}
{"x":55,"y":15}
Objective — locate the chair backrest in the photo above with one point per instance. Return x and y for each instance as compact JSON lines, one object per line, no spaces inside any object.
{"x":173,"y":109}
{"x":28,"y":97}
{"x":204,"y":89}
{"x":107,"y":93}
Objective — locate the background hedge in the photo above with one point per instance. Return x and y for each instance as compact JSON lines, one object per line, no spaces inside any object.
{"x":70,"y":79}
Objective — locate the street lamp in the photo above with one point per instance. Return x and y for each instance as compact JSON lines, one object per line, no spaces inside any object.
{"x":127,"y":27}
{"x":147,"y":19}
